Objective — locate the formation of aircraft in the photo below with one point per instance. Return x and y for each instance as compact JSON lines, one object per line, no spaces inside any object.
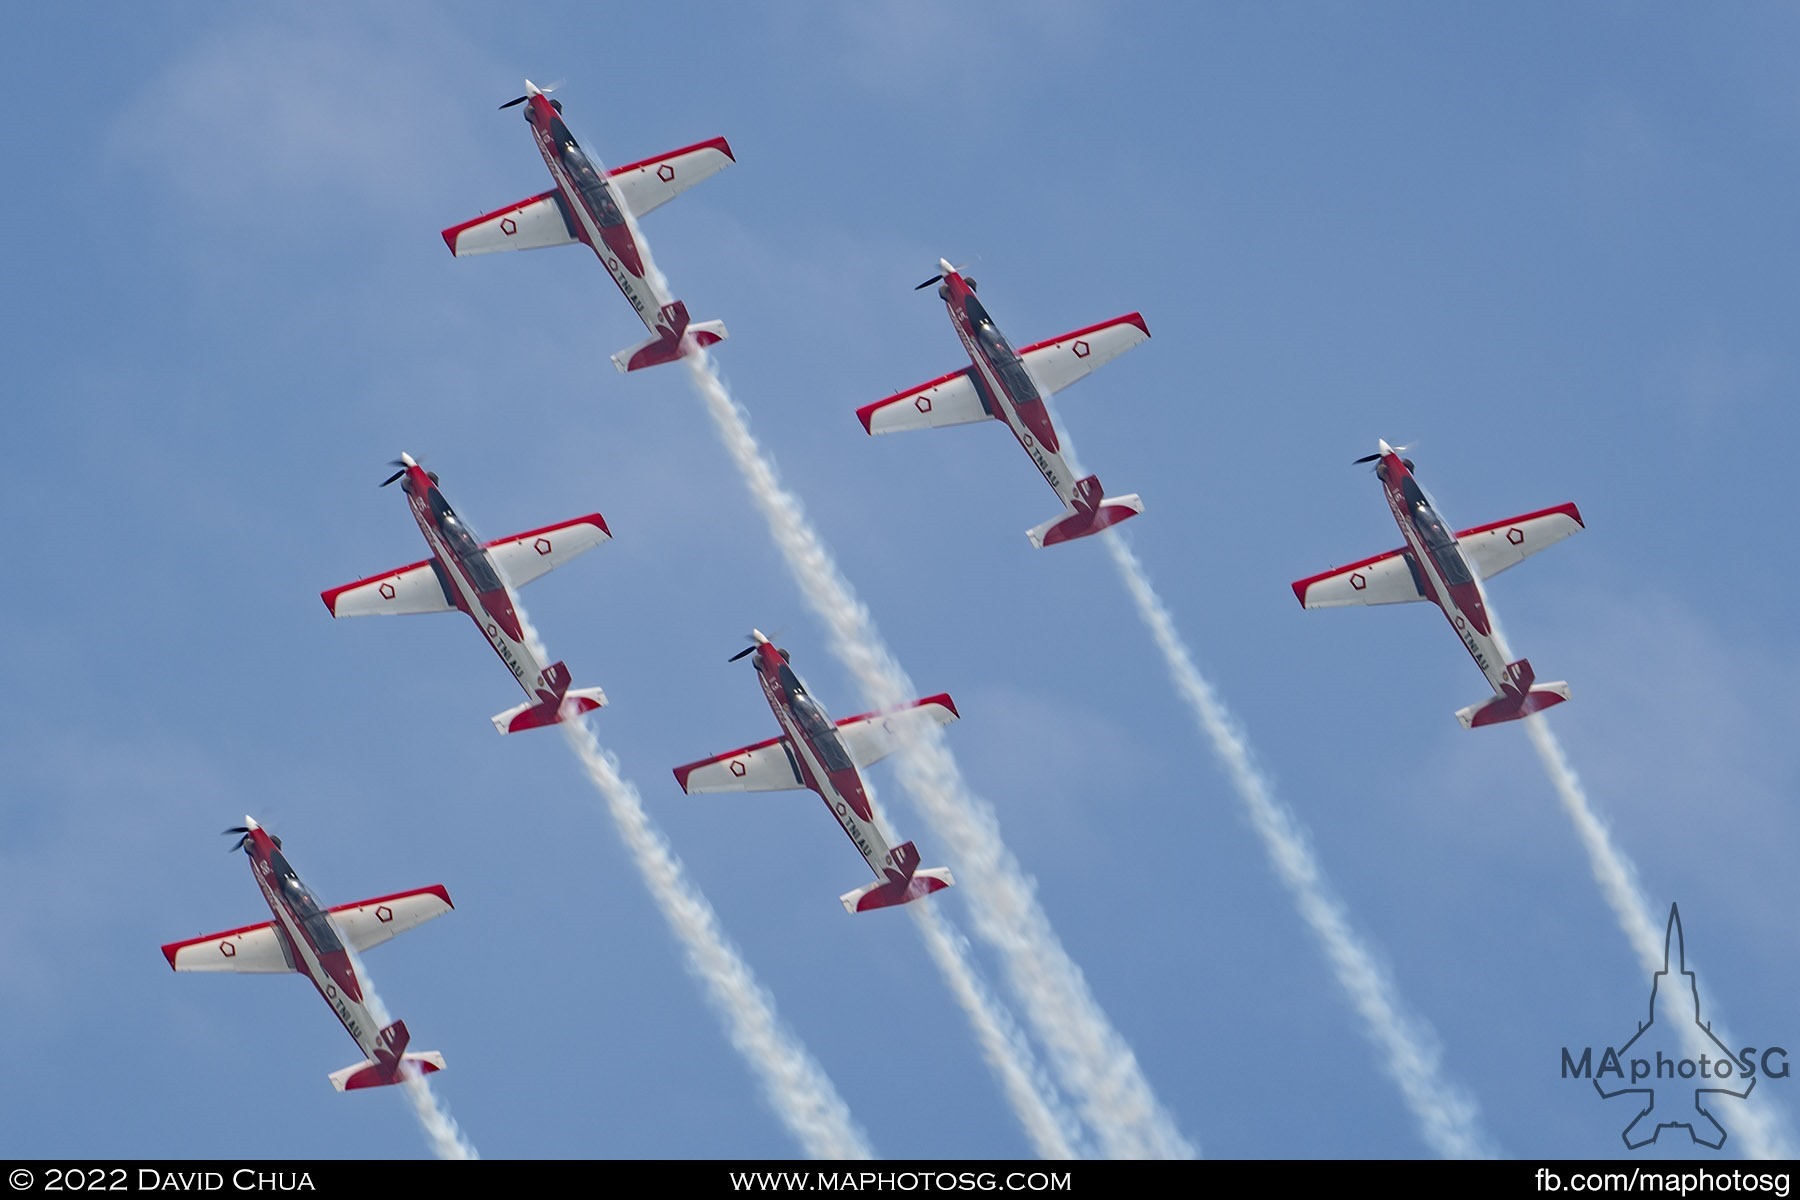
{"x":318,"y":942}
{"x":464,"y":573}
{"x":1447,"y":569}
{"x":1008,"y":386}
{"x":814,"y":753}
{"x":595,"y":207}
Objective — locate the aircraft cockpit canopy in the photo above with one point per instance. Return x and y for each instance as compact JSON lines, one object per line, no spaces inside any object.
{"x":587,"y":178}
{"x":464,"y":544}
{"x":810,"y":717}
{"x":312,"y":918}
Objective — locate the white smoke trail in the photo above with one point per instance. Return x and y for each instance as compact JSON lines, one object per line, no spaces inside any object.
{"x":796,"y":1086}
{"x":1448,"y":1118}
{"x":1008,"y":1055}
{"x":1759,"y":1123}
{"x":446,"y":1138}
{"x":1757,"y":1120}
{"x":1092,"y":1061}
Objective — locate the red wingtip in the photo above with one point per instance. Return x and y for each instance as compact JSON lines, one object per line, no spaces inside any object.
{"x":944,"y":699}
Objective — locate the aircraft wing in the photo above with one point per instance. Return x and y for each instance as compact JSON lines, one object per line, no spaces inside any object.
{"x":953,"y":399}
{"x":523,"y":557}
{"x":1492,"y":548}
{"x":531,"y":224}
{"x":410,"y":589}
{"x":654,"y":182}
{"x":871,"y":737}
{"x":765,"y":767}
{"x":371,"y":922}
{"x":1057,"y":363}
{"x":1385,"y":579}
{"x":253,"y":950}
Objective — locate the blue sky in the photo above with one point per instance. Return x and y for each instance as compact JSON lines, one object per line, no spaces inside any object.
{"x":1554,"y":249}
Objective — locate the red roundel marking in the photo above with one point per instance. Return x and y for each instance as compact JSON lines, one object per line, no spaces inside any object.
{"x":1082,"y":349}
{"x":737,"y":768}
{"x":228,"y":949}
{"x":384,"y":914}
{"x":387,"y":591}
{"x":542,"y":545}
{"x":1515,"y":536}
{"x":923,"y":404}
{"x":1358,"y":582}
{"x":666,"y":173}
{"x":508,"y":226}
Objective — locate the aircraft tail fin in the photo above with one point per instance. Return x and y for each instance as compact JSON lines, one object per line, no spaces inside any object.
{"x":388,"y":1064}
{"x":368,"y":1074}
{"x":1093,"y":511}
{"x":1522,"y":697}
{"x":665,"y":345}
{"x":556,"y":702}
{"x":904,"y":881}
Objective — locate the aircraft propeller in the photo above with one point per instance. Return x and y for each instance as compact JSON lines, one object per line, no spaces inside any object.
{"x":239,"y":829}
{"x":556,"y":104}
{"x":403,"y":462}
{"x":1383,"y":452}
{"x":945,"y":263}
{"x":757,"y":638}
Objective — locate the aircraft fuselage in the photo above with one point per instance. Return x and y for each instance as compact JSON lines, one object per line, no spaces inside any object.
{"x":466,"y":571}
{"x":1440,"y":569}
{"x":1007,"y":386}
{"x":313,"y":945}
{"x":821,"y":760}
{"x":599,"y":214}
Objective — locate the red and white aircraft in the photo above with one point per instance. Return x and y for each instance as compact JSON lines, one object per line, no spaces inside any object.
{"x":1447,"y":569}
{"x":593,"y":207}
{"x":317,"y":942}
{"x":1006,"y":386}
{"x":465,"y":574}
{"x":814,"y":753}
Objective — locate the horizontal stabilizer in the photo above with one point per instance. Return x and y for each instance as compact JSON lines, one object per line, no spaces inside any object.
{"x":665,"y":343}
{"x":366,"y":1074}
{"x":1522,"y":697}
{"x":556,"y":701}
{"x":1080,"y":522}
{"x":886,"y":894}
